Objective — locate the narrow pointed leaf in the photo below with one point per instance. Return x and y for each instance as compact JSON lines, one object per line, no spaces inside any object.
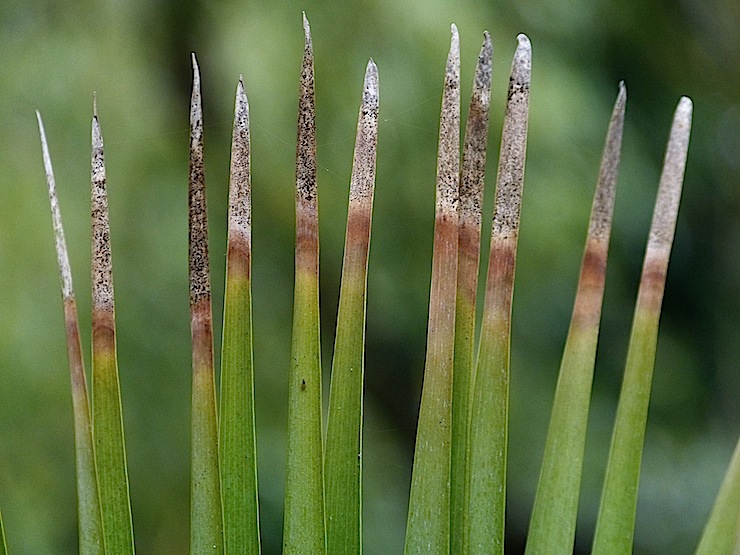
{"x":237,"y":425}
{"x":428,"y":525}
{"x":553,"y":524}
{"x":110,"y":451}
{"x":88,"y":507}
{"x":206,"y":519}
{"x":304,"y":527}
{"x":721,"y":534}
{"x":616,"y":522}
{"x":3,"y":546}
{"x":469,"y":230}
{"x":343,"y":459}
{"x":486,"y":473}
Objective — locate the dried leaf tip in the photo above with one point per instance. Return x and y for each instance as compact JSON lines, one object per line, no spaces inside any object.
{"x":521,"y":70}
{"x":671,"y":180}
{"x":453,"y":58}
{"x":371,"y":92}
{"x":102,"y":272}
{"x":484,"y":69}
{"x":198,"y":241}
{"x":603,"y":206}
{"x":239,"y":188}
{"x":56,"y":216}
{"x":455,"y":39}
{"x":196,"y":115}
{"x":307,"y":33}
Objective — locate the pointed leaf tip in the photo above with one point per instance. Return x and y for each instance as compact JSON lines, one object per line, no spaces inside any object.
{"x":454,"y":41}
{"x":371,"y":92}
{"x":522,"y":64}
{"x":56,"y":216}
{"x":306,"y":31}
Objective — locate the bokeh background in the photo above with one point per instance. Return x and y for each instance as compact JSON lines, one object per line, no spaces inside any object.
{"x":135,"y":55}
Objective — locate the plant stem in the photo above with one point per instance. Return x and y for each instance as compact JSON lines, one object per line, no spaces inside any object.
{"x":469,"y":232}
{"x":553,"y":524}
{"x":206,"y":517}
{"x":486,"y":473}
{"x":110,"y":450}
{"x":88,"y":506}
{"x":237,"y":424}
{"x":304,"y":528}
{"x":428,"y":525}
{"x":616,"y":522}
{"x":343,"y":459}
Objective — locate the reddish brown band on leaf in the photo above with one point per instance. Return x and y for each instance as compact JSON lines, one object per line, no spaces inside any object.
{"x":202,"y":336}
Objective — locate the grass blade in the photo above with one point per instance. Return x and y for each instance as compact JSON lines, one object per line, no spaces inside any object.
{"x":110,"y":450}
{"x":616,"y":522}
{"x":237,"y":425}
{"x":343,"y":459}
{"x":721,"y":534}
{"x":489,"y":421}
{"x":3,"y":546}
{"x":304,"y":528}
{"x":206,"y":518}
{"x":553,"y":524}
{"x":88,"y":506}
{"x":468,"y":263}
{"x":428,"y":525}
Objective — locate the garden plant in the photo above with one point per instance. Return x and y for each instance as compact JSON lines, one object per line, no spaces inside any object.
{"x":457,"y":499}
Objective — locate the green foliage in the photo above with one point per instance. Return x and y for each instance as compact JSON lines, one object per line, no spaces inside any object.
{"x":223,"y":471}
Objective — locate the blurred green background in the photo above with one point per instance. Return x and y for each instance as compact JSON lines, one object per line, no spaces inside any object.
{"x":135,"y":55}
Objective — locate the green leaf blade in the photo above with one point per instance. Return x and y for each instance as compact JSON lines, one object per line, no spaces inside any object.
{"x":343,"y":454}
{"x":237,"y":441}
{"x":206,"y":511}
{"x":721,"y":535}
{"x":469,"y":234}
{"x":615,"y":525}
{"x":89,"y":522}
{"x":304,"y":529}
{"x":107,"y":414}
{"x":428,"y":524}
{"x":486,"y":471}
{"x":553,"y":523}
